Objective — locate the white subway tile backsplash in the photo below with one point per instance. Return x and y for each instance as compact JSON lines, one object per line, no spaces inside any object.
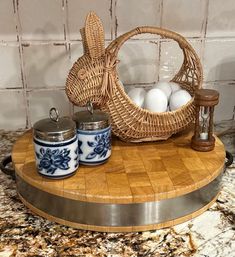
{"x":172,"y":57}
{"x":40,"y":41}
{"x":41,"y":20}
{"x":10,"y":73}
{"x":12,"y":114}
{"x":183,"y":16}
{"x":76,"y":51}
{"x":221,"y":19}
{"x":138,"y":62}
{"x":171,"y":60}
{"x":224,"y":110}
{"x":40,"y":103}
{"x":46,"y":65}
{"x":78,"y":10}
{"x":131,"y":14}
{"x":219,"y":60}
{"x":7,"y":21}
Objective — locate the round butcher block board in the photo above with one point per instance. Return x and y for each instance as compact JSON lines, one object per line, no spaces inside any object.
{"x":142,"y":187}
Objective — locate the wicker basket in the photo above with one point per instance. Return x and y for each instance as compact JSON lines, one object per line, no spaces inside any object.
{"x":94,"y":77}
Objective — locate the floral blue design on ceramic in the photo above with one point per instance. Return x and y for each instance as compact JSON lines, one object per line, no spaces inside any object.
{"x":79,"y":147}
{"x":51,"y":160}
{"x":95,"y":146}
{"x":101,"y":145}
{"x":76,"y":159}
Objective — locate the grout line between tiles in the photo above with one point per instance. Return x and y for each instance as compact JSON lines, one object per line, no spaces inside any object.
{"x":56,"y":88}
{"x":14,"y":89}
{"x":23,"y":77}
{"x":115,"y":19}
{"x":207,"y":15}
{"x":46,"y":89}
{"x":205,"y":19}
{"x":66,"y":37}
{"x":161,"y":13}
{"x":111,"y":11}
{"x":161,"y":39}
{"x":65,"y":24}
{"x":203,"y":33}
{"x":9,"y":43}
{"x":26,"y":43}
{"x":156,"y":64}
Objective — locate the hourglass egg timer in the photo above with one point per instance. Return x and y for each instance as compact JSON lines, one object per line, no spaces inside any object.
{"x":205,"y":101}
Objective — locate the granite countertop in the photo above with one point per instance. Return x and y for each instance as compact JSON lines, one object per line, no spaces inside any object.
{"x":23,"y":233}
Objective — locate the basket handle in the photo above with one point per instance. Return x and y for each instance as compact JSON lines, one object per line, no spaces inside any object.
{"x":118,"y":42}
{"x":191,"y":59}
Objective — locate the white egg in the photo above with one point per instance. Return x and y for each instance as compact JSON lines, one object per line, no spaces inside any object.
{"x":178,"y":99}
{"x":155,"y":100}
{"x":174,"y":86}
{"x":137,"y":96}
{"x":165,"y":87}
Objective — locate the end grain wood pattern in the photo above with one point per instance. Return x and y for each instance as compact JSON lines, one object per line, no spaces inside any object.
{"x":135,"y":173}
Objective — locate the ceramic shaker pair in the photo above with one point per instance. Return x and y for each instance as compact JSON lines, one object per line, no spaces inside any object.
{"x":61,"y":144}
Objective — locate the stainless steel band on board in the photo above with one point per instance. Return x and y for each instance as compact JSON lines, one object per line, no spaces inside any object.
{"x":118,"y":215}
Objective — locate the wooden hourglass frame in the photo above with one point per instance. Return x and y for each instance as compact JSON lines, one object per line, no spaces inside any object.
{"x":205,"y":101}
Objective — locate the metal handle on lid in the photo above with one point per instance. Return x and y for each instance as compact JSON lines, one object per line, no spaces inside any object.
{"x":90,"y":107}
{"x":54,"y":114}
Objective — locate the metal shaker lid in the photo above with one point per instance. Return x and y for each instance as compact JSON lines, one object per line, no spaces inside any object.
{"x":91,"y":119}
{"x":55,"y":128}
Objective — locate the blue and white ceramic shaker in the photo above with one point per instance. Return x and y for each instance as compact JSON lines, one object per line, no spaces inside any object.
{"x":56,"y":146}
{"x":94,"y":136}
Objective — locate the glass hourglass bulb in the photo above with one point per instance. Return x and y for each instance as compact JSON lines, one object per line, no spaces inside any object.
{"x":204,"y":113}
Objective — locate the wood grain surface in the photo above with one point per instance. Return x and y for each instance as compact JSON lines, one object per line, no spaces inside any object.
{"x":135,"y":173}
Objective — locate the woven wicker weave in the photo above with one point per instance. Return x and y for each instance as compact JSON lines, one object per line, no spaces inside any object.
{"x":94,"y":77}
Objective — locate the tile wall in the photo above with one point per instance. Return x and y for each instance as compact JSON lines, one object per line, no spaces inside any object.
{"x":40,"y":40}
